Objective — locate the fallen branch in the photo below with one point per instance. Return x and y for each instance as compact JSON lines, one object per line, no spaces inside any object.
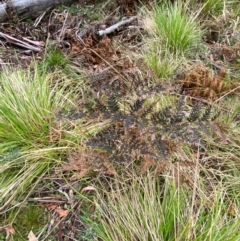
{"x":80,"y":35}
{"x":28,"y":8}
{"x":116,"y":26}
{"x":25,"y":43}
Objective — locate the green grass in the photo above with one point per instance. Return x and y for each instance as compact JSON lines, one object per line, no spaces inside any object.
{"x":173,"y":34}
{"x":30,"y":217}
{"x":32,"y":139}
{"x":87,"y":10}
{"x":148,"y":208}
{"x":164,"y":63}
{"x":175,"y":28}
{"x":213,"y":6}
{"x":26,"y":108}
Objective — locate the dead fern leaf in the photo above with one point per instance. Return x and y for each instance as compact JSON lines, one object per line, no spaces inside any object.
{"x":200,"y":82}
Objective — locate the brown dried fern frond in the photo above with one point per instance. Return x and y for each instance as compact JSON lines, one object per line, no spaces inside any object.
{"x":200,"y":82}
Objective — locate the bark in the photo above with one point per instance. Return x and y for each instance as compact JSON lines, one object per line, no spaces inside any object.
{"x":27,"y":8}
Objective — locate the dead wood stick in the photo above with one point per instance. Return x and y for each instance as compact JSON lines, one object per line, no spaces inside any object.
{"x":28,"y":44}
{"x":116,"y":26}
{"x":42,"y":200}
{"x":28,"y":8}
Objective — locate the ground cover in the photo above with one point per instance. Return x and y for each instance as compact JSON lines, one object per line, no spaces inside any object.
{"x":124,"y":134}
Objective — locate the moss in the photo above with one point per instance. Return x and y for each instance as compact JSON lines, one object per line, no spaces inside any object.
{"x":32,"y":217}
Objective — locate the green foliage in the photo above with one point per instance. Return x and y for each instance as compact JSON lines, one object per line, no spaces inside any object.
{"x":213,"y":6}
{"x":40,"y":125}
{"x":2,"y":237}
{"x":29,"y":218}
{"x":148,"y":208}
{"x":87,"y":10}
{"x":31,"y":138}
{"x":26,"y":108}
{"x":162,"y":61}
{"x":73,"y":9}
{"x":29,"y":20}
{"x":55,"y":59}
{"x":175,"y":28}
{"x":173,"y":34}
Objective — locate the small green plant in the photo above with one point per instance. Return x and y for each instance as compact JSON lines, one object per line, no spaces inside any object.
{"x":29,"y":218}
{"x":2,"y":237}
{"x":88,"y":11}
{"x":162,"y":61}
{"x":73,"y":9}
{"x":28,"y":20}
{"x":55,"y":59}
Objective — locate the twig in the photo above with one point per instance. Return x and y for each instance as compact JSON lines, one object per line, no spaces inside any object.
{"x":38,"y":20}
{"x":42,"y":200}
{"x":63,"y":27}
{"x":37,"y":43}
{"x":21,"y":43}
{"x":213,"y":63}
{"x":116,"y":26}
{"x":227,"y":94}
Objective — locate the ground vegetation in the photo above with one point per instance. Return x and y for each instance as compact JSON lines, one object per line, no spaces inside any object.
{"x":120,"y":120}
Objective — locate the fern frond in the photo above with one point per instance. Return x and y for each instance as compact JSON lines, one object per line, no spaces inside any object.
{"x":160,"y":147}
{"x":112,"y":104}
{"x":207,"y":113}
{"x":146,"y":111}
{"x":181,"y":103}
{"x":215,"y":116}
{"x":162,"y":117}
{"x":195,"y":113}
{"x":137,"y":105}
{"x":129,"y":121}
{"x":180,"y":109}
{"x":100,"y":106}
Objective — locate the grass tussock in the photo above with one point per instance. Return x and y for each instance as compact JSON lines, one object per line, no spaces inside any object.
{"x":147,"y":208}
{"x":162,"y":61}
{"x":32,"y":138}
{"x":27,"y":108}
{"x":174,"y":33}
{"x":175,"y":28}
